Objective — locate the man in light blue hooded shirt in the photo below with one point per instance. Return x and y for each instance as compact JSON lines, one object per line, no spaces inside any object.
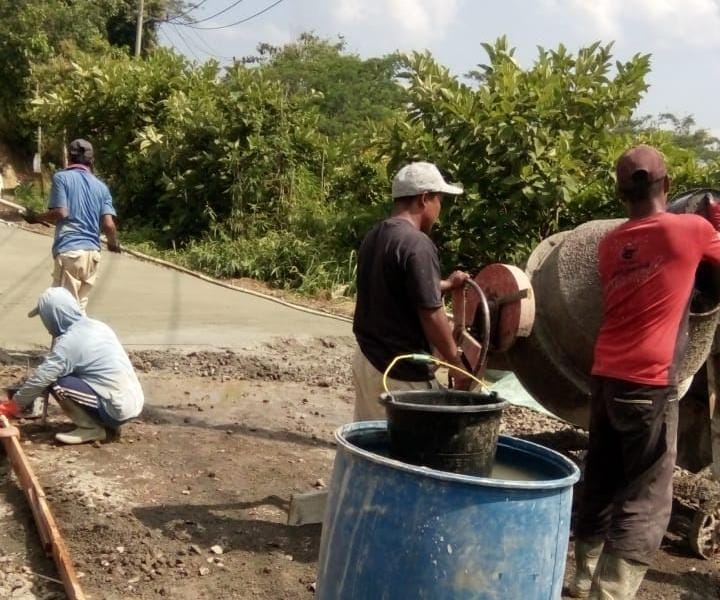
{"x":87,"y":371}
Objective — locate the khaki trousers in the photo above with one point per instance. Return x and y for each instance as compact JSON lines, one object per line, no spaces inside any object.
{"x":76,"y":271}
{"x":368,"y":387}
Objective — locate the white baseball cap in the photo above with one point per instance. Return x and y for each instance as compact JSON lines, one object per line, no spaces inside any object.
{"x":420,"y":177}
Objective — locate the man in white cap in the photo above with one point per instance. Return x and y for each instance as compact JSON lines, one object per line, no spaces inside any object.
{"x":399,"y":307}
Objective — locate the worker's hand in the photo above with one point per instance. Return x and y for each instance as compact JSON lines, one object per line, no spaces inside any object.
{"x":114,"y":247}
{"x":458,"y":381}
{"x":30,"y":216}
{"x":456,"y":280}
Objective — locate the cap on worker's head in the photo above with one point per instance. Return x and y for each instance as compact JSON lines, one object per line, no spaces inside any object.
{"x":80,"y":151}
{"x":420,"y":177}
{"x":639,"y":166}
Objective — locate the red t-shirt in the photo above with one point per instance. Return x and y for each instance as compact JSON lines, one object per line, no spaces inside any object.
{"x":647,"y":269}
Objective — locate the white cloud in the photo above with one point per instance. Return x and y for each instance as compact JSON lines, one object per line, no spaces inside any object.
{"x":421,"y":18}
{"x":347,"y":11}
{"x":691,"y":22}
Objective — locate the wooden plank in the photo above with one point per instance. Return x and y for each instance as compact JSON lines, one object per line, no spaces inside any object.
{"x":307,"y":508}
{"x":48,"y":530}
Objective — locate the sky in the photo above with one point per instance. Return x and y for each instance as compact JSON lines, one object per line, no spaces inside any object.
{"x":683,"y":36}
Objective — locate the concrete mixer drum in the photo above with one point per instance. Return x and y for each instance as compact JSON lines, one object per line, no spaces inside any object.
{"x":555,"y":361}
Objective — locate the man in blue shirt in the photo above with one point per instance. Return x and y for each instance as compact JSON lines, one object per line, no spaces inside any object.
{"x":80,"y":206}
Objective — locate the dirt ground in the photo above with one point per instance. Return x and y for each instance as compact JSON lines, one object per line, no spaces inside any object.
{"x":192,"y":502}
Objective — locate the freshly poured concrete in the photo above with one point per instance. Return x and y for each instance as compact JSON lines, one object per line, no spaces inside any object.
{"x":147,"y":305}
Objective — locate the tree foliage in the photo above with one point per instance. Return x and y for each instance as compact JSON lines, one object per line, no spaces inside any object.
{"x":534,"y":146}
{"x":276,"y":167}
{"x":201,"y":159}
{"x":683,"y":131}
{"x":34,"y":32}
{"x":349,"y":91}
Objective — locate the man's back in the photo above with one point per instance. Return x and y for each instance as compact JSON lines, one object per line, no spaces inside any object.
{"x":398,"y":272}
{"x":87,"y":199}
{"x":647,"y":268}
{"x":95,"y":354}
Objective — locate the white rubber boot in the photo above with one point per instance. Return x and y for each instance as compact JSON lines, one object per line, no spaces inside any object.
{"x":88,"y":429}
{"x":616,"y":578}
{"x":587,"y":555}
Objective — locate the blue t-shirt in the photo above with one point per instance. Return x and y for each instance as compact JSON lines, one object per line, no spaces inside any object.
{"x":87,"y":199}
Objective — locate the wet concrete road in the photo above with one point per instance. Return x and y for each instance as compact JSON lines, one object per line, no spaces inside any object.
{"x":147,"y":305}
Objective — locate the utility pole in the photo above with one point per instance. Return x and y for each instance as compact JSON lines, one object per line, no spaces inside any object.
{"x":139,"y":30}
{"x":37,"y":159}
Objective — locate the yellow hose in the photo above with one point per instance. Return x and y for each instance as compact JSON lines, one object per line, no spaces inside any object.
{"x":426,"y":358}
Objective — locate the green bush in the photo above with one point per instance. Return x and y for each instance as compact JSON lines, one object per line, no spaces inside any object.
{"x":280,"y":258}
{"x":235,"y":172}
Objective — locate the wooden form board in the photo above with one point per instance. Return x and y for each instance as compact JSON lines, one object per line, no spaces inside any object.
{"x":52,"y":541}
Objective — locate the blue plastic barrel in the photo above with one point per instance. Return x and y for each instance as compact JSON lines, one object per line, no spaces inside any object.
{"x":396,"y":531}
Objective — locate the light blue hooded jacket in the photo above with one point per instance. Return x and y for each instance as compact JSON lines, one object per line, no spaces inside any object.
{"x":87,"y":349}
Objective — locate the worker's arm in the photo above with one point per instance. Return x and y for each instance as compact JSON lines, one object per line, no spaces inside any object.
{"x":110,"y":230}
{"x":54,"y":366}
{"x":708,"y":240}
{"x":437,"y":331}
{"x":52,"y":215}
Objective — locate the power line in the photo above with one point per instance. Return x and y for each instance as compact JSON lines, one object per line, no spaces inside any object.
{"x":182,"y":37}
{"x":217,"y":14}
{"x":240,"y":22}
{"x":187,"y":12}
{"x":190,"y":46}
{"x":210,"y":51}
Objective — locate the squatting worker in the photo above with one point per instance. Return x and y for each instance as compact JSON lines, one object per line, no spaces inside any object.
{"x":399,"y":307}
{"x":80,"y":206}
{"x":647,"y":267}
{"x":87,"y":371}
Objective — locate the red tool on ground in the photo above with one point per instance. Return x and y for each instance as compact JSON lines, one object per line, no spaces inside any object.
{"x":9,"y":408}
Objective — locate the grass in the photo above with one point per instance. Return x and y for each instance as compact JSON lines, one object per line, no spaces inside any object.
{"x":279,"y":259}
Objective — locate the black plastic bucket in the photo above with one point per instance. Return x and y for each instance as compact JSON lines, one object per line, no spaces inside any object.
{"x":444,"y":429}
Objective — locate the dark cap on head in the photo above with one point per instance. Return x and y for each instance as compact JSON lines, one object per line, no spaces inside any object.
{"x":639,"y":167}
{"x":80,"y":151}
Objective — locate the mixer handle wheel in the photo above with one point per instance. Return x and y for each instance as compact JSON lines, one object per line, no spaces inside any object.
{"x":491,"y":311}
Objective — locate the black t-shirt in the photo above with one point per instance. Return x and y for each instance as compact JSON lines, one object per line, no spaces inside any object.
{"x":398,"y":272}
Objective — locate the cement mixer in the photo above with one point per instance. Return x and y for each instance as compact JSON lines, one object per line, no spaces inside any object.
{"x":541,"y":323}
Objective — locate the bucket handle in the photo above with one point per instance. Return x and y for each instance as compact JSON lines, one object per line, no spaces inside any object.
{"x":427,"y":359}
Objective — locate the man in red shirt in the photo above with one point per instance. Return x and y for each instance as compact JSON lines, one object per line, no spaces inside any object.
{"x":647,"y":267}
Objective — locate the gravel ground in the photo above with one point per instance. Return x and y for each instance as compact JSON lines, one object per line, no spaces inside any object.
{"x":192,"y":502}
